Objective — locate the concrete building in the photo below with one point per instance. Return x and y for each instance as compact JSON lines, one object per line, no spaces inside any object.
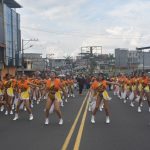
{"x":58,"y":63}
{"x":2,"y":37}
{"x":10,"y":36}
{"x":34,"y":62}
{"x":144,"y":58}
{"x":121,"y":58}
{"x":101,"y":62}
{"x":61,"y":65}
{"x":133,"y":59}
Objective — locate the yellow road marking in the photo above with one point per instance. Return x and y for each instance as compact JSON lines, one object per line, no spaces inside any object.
{"x":66,"y":143}
{"x":80,"y":132}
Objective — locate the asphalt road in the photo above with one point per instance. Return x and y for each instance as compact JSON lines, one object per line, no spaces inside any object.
{"x":128,"y":130}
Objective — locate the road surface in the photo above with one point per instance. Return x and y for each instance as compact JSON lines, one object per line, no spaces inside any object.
{"x":128,"y":130}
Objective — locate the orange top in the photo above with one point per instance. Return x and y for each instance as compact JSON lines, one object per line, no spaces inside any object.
{"x":57,"y":83}
{"x":48,"y":83}
{"x":95,"y":85}
{"x":24,"y":84}
{"x":104,"y":83}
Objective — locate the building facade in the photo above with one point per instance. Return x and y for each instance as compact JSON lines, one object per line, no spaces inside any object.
{"x":133,"y":59}
{"x":144,"y":60}
{"x":34,"y":62}
{"x":121,"y":58}
{"x":2,"y":41}
{"x":10,"y":35}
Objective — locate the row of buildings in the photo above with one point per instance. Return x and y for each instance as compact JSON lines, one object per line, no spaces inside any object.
{"x":35,"y":62}
{"x":124,"y":60}
{"x":11,"y":60}
{"x":10,"y":37}
{"x":132,"y":59}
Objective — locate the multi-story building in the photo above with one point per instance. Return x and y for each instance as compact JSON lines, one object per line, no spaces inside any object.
{"x":10,"y":36}
{"x":2,"y":41}
{"x":121,"y":58}
{"x":144,"y":59}
{"x":34,"y":62}
{"x":133,"y":59}
{"x":61,"y":65}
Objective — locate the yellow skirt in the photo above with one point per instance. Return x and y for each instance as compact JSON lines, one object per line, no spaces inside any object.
{"x":1,"y":92}
{"x":58,"y":96}
{"x":147,"y":89}
{"x":10,"y":92}
{"x":24,"y":95}
{"x":105,"y":95}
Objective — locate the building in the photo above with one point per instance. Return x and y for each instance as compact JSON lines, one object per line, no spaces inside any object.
{"x":144,"y":59}
{"x":96,"y":63}
{"x":58,"y":63}
{"x":121,"y":58}
{"x":133,"y":59}
{"x":61,"y":65}
{"x":10,"y":36}
{"x":2,"y":38}
{"x":34,"y":62}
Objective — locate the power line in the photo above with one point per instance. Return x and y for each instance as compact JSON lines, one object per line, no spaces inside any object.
{"x":79,"y":34}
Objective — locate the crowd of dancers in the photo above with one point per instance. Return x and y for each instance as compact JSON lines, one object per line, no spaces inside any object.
{"x":128,"y":88}
{"x":22,"y":92}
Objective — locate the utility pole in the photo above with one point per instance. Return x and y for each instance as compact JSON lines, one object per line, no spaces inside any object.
{"x":22,"y":49}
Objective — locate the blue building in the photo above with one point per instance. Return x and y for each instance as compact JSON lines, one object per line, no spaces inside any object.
{"x":10,"y":34}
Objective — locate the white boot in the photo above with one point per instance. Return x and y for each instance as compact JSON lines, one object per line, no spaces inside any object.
{"x":13,"y":107}
{"x":66,"y":100}
{"x":16,"y":117}
{"x":149,"y":109}
{"x":31,"y":117}
{"x":107,"y":119}
{"x":11,"y":112}
{"x":2,"y":108}
{"x":46,"y":121}
{"x":100,"y":109}
{"x":124,"y":101}
{"x":132,"y":105}
{"x":6,"y":112}
{"x":62,"y":104}
{"x":93,"y":119}
{"x":139,"y":109}
{"x":61,"y":121}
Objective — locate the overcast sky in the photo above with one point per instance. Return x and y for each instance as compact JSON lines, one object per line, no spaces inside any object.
{"x":63,"y":26}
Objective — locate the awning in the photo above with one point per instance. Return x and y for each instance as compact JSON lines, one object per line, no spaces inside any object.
{"x":12,"y":4}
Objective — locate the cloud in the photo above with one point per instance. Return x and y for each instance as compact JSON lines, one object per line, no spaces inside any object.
{"x":63,"y":26}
